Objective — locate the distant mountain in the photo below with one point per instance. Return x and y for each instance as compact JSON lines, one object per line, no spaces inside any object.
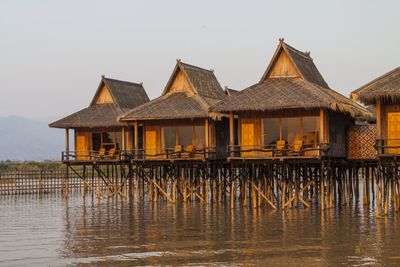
{"x":24,"y":139}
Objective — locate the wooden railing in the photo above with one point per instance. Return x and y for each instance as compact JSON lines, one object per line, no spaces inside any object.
{"x":388,"y":146}
{"x":270,"y":151}
{"x":39,"y":181}
{"x":170,"y":153}
{"x":141,"y":154}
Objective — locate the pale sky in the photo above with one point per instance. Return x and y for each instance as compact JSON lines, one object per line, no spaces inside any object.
{"x":52,"y":53}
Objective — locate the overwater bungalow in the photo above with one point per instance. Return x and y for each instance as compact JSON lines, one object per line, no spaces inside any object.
{"x":290,"y":112}
{"x":384,"y":94}
{"x":178,"y":124}
{"x":98,"y":133}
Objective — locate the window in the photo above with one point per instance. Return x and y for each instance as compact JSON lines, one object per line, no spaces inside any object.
{"x":291,"y":129}
{"x":311,"y":129}
{"x":271,"y":131}
{"x":169,"y":137}
{"x":184,"y":135}
{"x":96,"y":141}
{"x":199,"y":137}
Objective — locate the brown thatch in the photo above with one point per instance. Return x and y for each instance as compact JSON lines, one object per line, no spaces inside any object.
{"x":307,"y":91}
{"x":176,"y":105}
{"x":182,"y":104}
{"x":230,"y":91}
{"x":385,"y":88}
{"x":302,"y":61}
{"x":125,"y":95}
{"x":276,"y":94}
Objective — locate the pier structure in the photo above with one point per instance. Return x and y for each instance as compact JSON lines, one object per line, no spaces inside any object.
{"x":287,"y":141}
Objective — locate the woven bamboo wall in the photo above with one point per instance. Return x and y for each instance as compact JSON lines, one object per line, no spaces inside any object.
{"x":360,"y":142}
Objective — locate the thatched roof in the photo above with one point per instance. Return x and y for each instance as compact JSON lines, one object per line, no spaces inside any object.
{"x":125,"y":96}
{"x":385,"y":88}
{"x":229,"y":91}
{"x":174,"y":105}
{"x":302,"y":62}
{"x":305,"y":91}
{"x":205,"y":91}
{"x":276,"y":94}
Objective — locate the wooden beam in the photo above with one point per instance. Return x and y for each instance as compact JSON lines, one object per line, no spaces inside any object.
{"x":322,"y":126}
{"x":206,"y":133}
{"x":231,"y":132}
{"x":378,"y":120}
{"x":135,"y":132}
{"x":67,"y":144}
{"x":123,"y":138}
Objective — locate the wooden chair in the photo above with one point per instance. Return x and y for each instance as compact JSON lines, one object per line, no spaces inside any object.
{"x":112,"y":153}
{"x":297,"y":147}
{"x":177,"y":152}
{"x":280,"y":148}
{"x":101,"y":154}
{"x":189,"y":151}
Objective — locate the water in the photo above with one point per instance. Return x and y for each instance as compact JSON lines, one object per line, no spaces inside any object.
{"x":50,"y":230}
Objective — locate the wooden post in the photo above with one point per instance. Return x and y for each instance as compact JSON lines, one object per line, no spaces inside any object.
{"x":123,"y":138}
{"x":206,"y":135}
{"x":322,"y":126}
{"x":378,"y":120}
{"x":136,"y":141}
{"x":231,"y":133}
{"x":67,"y":144}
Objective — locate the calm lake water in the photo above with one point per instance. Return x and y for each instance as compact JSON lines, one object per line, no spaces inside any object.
{"x":50,"y":230}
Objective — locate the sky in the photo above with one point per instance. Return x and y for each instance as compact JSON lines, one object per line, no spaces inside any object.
{"x":53,"y":53}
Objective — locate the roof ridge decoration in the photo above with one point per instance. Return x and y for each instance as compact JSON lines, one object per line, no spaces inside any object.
{"x":301,"y":61}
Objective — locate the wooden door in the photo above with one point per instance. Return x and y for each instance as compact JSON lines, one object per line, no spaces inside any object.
{"x":247,"y":139}
{"x":151,"y":143}
{"x":393,"y":132}
{"x":81,"y":147}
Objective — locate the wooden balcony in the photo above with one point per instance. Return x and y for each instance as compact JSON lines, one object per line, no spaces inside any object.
{"x":388,"y":147}
{"x":304,"y":151}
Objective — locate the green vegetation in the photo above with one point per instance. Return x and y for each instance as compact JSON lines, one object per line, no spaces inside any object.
{"x":10,"y":165}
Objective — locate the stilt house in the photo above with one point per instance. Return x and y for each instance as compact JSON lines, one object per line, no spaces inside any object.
{"x":291,"y":111}
{"x":178,"y":124}
{"x":384,"y":94}
{"x":98,"y":132}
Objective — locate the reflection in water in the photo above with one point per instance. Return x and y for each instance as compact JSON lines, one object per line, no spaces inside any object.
{"x":52,"y":230}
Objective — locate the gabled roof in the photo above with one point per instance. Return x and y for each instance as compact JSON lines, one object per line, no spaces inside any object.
{"x":176,"y":105}
{"x":277,"y":94}
{"x":229,"y":91}
{"x":384,"y":88}
{"x":125,"y":96}
{"x":305,"y":91}
{"x":203,"y":81}
{"x":302,"y":62}
{"x":205,"y":91}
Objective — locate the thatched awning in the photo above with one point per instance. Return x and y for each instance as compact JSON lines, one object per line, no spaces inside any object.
{"x":277,"y":94}
{"x":174,"y":105}
{"x":96,"y":116}
{"x":385,"y":88}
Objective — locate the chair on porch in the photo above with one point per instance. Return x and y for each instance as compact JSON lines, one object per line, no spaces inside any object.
{"x":177,"y":152}
{"x":280,"y":148}
{"x":297,"y":147}
{"x":101,"y":154}
{"x":188,"y":152}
